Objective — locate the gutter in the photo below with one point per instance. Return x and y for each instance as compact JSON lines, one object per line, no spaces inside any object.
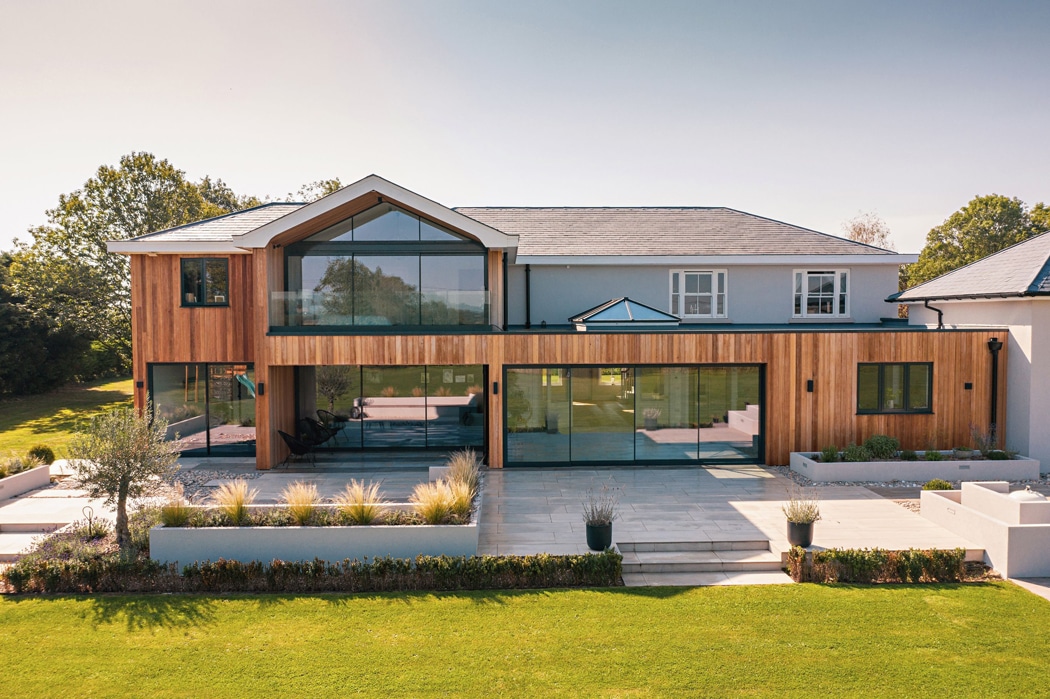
{"x":940,"y":314}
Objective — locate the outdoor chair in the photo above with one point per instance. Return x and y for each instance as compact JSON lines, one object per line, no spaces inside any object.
{"x":314,"y":431}
{"x":297,"y":448}
{"x":333,"y":421}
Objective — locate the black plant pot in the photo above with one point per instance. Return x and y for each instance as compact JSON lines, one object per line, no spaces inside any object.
{"x":599,"y":536}
{"x":800,"y":534}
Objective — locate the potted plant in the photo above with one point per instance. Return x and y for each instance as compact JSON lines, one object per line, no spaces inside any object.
{"x":651,"y":417}
{"x":599,"y":511}
{"x":802,"y":511}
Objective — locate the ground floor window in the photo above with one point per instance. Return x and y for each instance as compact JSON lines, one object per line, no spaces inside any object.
{"x":660,"y":414}
{"x":210,"y":408}
{"x":895,"y":388}
{"x":375,"y":407}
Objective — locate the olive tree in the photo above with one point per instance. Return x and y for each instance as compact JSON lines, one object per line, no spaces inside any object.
{"x":121,"y":455}
{"x":333,"y":382}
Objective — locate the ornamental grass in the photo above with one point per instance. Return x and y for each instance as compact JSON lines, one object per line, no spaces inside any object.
{"x":433,"y":502}
{"x":232,"y":500}
{"x":301,"y":500}
{"x":176,"y":510}
{"x":464,"y":466}
{"x":360,"y":503}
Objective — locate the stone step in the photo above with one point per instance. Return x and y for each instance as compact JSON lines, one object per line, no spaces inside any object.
{"x":700,"y":561}
{"x":12,"y":545}
{"x":705,"y":579}
{"x":725,"y":545}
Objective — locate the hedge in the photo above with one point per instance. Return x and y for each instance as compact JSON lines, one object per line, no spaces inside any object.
{"x":877,"y":565}
{"x":143,"y":575}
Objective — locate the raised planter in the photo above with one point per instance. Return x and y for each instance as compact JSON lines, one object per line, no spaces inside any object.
{"x":185,"y":545}
{"x":23,"y":482}
{"x":1021,"y":468}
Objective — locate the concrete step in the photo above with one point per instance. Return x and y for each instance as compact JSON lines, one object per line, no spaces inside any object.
{"x":27,"y":527}
{"x":12,"y":545}
{"x":705,"y":579}
{"x":700,"y":561}
{"x":726,"y":545}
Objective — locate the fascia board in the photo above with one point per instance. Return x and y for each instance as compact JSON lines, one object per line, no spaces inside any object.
{"x":186,"y":247}
{"x":489,"y":237}
{"x":716,"y":260}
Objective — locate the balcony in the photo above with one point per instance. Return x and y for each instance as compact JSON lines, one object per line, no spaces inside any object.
{"x":309,"y":312}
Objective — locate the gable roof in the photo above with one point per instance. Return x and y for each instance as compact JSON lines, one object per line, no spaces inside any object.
{"x":659,"y":232}
{"x":217,"y":232}
{"x":1019,"y":270}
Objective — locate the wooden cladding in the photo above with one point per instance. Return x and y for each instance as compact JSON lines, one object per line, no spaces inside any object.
{"x":795,"y":419}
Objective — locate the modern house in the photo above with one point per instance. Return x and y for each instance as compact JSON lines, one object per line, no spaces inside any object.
{"x":1008,"y":290}
{"x":540,"y":336}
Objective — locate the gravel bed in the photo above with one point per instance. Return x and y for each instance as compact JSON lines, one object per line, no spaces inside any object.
{"x":192,"y":481}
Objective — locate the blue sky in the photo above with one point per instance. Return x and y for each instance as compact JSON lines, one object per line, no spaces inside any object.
{"x":808,"y":112}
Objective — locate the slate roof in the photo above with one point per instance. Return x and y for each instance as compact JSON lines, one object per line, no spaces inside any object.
{"x":658,"y":231}
{"x":221,"y":229}
{"x":1019,"y":270}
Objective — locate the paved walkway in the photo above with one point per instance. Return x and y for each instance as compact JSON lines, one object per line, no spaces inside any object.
{"x":539,"y":510}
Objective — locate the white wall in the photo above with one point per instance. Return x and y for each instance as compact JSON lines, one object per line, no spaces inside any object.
{"x":1027,"y":362}
{"x":754,"y":294}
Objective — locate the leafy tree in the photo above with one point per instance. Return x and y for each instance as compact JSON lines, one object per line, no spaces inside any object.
{"x":870,"y":229}
{"x":66,"y":274}
{"x":313,"y":191}
{"x":333,"y":382}
{"x":984,"y":226}
{"x":220,"y":195}
{"x":123,"y":455}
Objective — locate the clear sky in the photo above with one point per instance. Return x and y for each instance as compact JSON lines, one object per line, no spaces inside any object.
{"x":808,"y":112}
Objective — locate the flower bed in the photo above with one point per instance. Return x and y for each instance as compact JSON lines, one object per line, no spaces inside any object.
{"x":1019,"y":468}
{"x":306,"y":543}
{"x":23,"y":482}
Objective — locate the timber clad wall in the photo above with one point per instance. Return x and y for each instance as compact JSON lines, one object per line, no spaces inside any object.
{"x":795,"y":420}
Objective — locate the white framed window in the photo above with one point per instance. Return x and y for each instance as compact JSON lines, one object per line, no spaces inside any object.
{"x":821,"y":293}
{"x":698,"y":293}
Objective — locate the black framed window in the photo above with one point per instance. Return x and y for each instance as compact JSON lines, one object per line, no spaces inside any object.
{"x":895,"y":388}
{"x":205,"y":281}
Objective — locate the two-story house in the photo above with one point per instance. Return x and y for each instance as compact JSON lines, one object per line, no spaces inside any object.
{"x":539,"y":336}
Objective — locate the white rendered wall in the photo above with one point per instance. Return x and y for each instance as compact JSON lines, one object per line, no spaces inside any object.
{"x":755,"y":294}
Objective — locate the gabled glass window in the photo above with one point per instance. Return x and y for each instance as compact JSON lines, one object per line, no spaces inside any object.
{"x":384,"y":223}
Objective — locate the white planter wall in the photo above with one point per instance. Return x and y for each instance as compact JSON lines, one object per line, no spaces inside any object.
{"x":1019,"y":469}
{"x":23,"y":482}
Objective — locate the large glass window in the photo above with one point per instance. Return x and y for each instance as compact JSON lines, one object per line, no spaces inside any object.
{"x":670,"y":414}
{"x":210,"y":408}
{"x":698,"y":294}
{"x":821,"y":294}
{"x":205,"y":281}
{"x":895,"y":388}
{"x":386,"y":267}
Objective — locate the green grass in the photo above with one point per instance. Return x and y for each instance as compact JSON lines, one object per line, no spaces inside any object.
{"x":52,"y":418}
{"x":796,"y":640}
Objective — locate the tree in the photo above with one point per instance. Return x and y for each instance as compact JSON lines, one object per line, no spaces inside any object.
{"x":66,"y":274}
{"x":123,"y":454}
{"x":984,"y":226}
{"x":333,"y":382}
{"x":313,"y":191}
{"x":870,"y":229}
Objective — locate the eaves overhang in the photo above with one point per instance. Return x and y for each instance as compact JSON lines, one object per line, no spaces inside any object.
{"x":717,"y":260}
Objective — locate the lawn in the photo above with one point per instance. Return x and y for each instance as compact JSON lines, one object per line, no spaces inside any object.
{"x":794,"y":640}
{"x":52,"y":418}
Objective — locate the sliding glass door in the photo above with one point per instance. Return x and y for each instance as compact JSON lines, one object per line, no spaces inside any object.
{"x":210,"y":408}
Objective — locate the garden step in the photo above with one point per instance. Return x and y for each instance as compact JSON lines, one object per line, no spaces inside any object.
{"x":705,"y":579}
{"x":729,"y":545}
{"x":12,"y":545}
{"x":36,"y":528}
{"x":700,"y":561}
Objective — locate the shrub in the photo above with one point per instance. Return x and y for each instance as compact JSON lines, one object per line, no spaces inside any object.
{"x":829,"y":454}
{"x":175,"y":512}
{"x":855,"y":453}
{"x":937,"y":484}
{"x":933,"y":455}
{"x":432,"y":501}
{"x":301,"y":500}
{"x":908,"y":455}
{"x":876,"y":565}
{"x":882,"y":446}
{"x":982,"y":440}
{"x":998,"y":455}
{"x":464,"y":466}
{"x":43,"y":453}
{"x":360,"y":503}
{"x":12,"y":465}
{"x":232,"y":499}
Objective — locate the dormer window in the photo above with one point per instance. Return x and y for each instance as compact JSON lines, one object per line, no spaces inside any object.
{"x":205,"y":281}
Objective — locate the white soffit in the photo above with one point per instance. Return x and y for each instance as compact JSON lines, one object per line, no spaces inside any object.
{"x":487,"y":236}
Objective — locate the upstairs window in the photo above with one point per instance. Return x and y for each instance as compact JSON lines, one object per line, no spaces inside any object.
{"x":821,"y":294}
{"x":895,"y":388}
{"x":205,"y":281}
{"x":698,"y":294}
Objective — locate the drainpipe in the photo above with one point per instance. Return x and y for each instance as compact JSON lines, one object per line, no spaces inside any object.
{"x":994,"y":345}
{"x":528,"y":296}
{"x":503,"y":292}
{"x":940,"y":314}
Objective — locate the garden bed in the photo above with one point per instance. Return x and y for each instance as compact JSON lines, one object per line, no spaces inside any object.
{"x":186,"y":545}
{"x":15,"y":485}
{"x":1020,"y":468}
